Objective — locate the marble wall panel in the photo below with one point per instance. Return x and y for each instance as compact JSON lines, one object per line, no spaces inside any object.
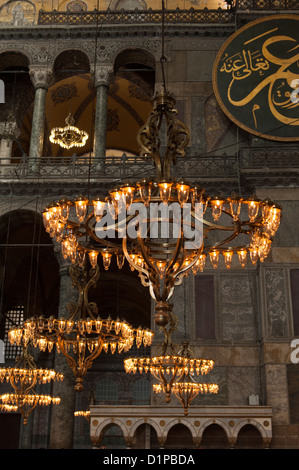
{"x":276,"y":303}
{"x":277,"y":392}
{"x":242,"y":382}
{"x":237,"y":308}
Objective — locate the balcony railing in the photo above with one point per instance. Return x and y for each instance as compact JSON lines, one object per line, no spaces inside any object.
{"x":267,"y":5}
{"x":256,"y":160}
{"x":135,"y":17}
{"x":149,"y":16}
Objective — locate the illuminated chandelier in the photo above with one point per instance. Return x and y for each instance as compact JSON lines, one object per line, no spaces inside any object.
{"x":83,"y":335}
{"x":69,"y":136}
{"x":84,"y":414}
{"x":171,"y":369}
{"x":23,"y":378}
{"x":185,"y":388}
{"x":201,"y":226}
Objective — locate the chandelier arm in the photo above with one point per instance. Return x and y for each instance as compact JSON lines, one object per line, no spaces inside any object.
{"x":26,"y":410}
{"x":91,"y":283}
{"x":148,"y":140}
{"x":129,"y":259}
{"x":87,"y":361}
{"x":178,"y":247}
{"x":175,"y":146}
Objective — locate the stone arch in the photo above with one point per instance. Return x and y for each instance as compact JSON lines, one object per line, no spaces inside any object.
{"x":34,"y":205}
{"x":30,"y":271}
{"x":133,"y":55}
{"x":111,"y":424}
{"x":99,"y":432}
{"x":218,"y":421}
{"x":253,"y":423}
{"x":253,"y":439}
{"x":137,"y":65}
{"x":153,"y":423}
{"x":176,"y":421}
{"x":185,"y":438}
{"x":15,"y":57}
{"x":14,"y":71}
{"x":220,"y":427}
{"x":71,"y":62}
{"x":145,"y":436}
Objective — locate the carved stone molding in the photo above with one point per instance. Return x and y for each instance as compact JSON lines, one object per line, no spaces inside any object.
{"x":44,"y":53}
{"x":41,"y":77}
{"x":9,"y":130}
{"x":102,"y":74}
{"x":162,"y":419}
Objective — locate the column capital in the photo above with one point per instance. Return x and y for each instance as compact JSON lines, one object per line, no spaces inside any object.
{"x":102,"y":74}
{"x":9,"y":129}
{"x":41,"y":76}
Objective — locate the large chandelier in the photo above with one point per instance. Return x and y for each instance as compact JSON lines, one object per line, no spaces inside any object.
{"x":198,"y":226}
{"x":23,"y":378}
{"x":82,"y":335}
{"x":68,"y":136}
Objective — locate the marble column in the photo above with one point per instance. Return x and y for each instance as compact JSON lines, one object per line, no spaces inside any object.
{"x":102,"y":78}
{"x":62,"y":415}
{"x":9,"y":131}
{"x":41,"y":78}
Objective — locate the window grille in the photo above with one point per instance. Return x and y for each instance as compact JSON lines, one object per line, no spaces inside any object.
{"x":13,"y":317}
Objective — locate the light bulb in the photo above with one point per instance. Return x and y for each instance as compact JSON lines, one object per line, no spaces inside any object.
{"x":183,"y":190}
{"x":216,"y":205}
{"x":145,"y":189}
{"x":98,"y":208}
{"x":228,"y":258}
{"x":106,"y":259}
{"x":242,"y":254}
{"x":165,"y":191}
{"x":214,"y":258}
{"x":81,"y":208}
{"x":93,"y":258}
{"x":253,"y":208}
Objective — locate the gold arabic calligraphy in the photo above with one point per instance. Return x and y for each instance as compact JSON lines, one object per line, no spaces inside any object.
{"x":245,"y":63}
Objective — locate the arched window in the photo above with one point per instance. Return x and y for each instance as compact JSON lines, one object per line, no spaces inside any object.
{"x":106,"y":391}
{"x":142,"y":392}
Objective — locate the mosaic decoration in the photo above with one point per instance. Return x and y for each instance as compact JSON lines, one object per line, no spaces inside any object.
{"x":76,"y":6}
{"x":64,"y":93}
{"x":138,"y":93}
{"x":256,"y":78}
{"x":17,"y":13}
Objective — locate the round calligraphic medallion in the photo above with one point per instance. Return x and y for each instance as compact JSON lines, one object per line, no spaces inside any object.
{"x":256,"y":77}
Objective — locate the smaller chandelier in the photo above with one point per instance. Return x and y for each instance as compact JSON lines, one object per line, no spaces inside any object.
{"x":84,"y":414}
{"x":23,"y":378}
{"x":186,"y":389}
{"x":69,"y":136}
{"x":25,"y":403}
{"x":170,"y":369}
